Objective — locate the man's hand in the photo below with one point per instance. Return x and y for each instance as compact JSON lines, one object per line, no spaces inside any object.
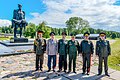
{"x":80,"y":54}
{"x":46,"y":52}
{"x":91,"y":55}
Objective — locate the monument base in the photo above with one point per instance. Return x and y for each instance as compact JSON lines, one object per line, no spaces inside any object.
{"x":18,"y":40}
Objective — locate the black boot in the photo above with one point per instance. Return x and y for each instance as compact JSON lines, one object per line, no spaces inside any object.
{"x":41,"y":69}
{"x":107,"y":75}
{"x":88,"y":73}
{"x":49,"y":70}
{"x":69,"y":71}
{"x":74,"y":72}
{"x":36,"y":69}
{"x":83,"y":73}
{"x":99,"y":74}
{"x":59,"y":70}
{"x":65,"y":71}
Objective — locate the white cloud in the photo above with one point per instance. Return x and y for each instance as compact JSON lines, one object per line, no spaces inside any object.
{"x":100,"y":13}
{"x":4,"y":22}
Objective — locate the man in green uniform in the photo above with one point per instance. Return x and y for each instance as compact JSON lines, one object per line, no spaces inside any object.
{"x":103,"y":50}
{"x":86,"y":51}
{"x":39,"y":48}
{"x":62,"y":46}
{"x":73,"y":47}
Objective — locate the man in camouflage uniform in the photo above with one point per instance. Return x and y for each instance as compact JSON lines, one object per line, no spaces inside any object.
{"x":86,"y":51}
{"x":103,"y":50}
{"x":73,"y":48}
{"x":39,"y":48}
{"x":62,"y":46}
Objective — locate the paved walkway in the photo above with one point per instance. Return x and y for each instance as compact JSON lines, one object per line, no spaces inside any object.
{"x":21,"y":67}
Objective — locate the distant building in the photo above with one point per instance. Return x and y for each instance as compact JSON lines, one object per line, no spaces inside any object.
{"x":92,"y":36}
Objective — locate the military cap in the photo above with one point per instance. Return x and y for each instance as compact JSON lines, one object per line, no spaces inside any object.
{"x":19,"y":5}
{"x":86,"y":34}
{"x":64,"y":33}
{"x":72,"y":34}
{"x":52,"y":33}
{"x":39,"y":32}
{"x":102,"y":34}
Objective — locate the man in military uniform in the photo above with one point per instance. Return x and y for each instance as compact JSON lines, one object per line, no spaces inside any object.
{"x":103,"y":50}
{"x":73,"y":47}
{"x":39,"y":48}
{"x":86,"y":51}
{"x":52,"y":50}
{"x":62,"y":46}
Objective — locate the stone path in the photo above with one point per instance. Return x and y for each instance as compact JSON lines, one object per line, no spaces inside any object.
{"x":21,"y":67}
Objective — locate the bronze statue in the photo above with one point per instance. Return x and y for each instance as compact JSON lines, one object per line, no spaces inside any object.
{"x":18,"y":20}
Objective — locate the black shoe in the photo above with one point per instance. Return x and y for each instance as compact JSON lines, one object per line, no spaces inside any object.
{"x":107,"y":75}
{"x":65,"y":71}
{"x":36,"y":70}
{"x":53,"y":70}
{"x":99,"y":74}
{"x":41,"y":69}
{"x":88,"y":74}
{"x":68,"y":71}
{"x":49,"y":70}
{"x":83,"y":73}
{"x":59,"y":71}
{"x":74,"y":72}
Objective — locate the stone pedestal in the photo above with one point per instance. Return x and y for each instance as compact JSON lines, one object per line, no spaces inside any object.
{"x":18,"y":40}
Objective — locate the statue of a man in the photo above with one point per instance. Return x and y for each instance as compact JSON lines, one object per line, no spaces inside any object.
{"x":18,"y":20}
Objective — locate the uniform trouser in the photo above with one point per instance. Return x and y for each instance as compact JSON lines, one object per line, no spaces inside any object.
{"x":105,"y":65}
{"x":39,"y":61}
{"x":62,"y":61}
{"x":50,"y":57}
{"x":86,"y":59}
{"x":72,"y":58}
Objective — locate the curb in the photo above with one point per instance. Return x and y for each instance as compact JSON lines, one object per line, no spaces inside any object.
{"x":3,"y":55}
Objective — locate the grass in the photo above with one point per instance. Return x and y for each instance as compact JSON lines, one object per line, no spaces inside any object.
{"x":114,"y":58}
{"x":4,"y":38}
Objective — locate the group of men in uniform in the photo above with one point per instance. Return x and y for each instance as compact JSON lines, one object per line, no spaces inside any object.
{"x":72,"y":48}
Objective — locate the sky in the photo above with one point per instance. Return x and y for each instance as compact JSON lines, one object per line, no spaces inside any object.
{"x":101,"y":14}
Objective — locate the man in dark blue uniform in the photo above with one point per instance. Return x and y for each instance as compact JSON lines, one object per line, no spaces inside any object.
{"x":86,"y":51}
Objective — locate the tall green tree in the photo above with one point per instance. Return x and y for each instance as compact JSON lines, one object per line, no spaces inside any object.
{"x":76,"y":23}
{"x":30,"y":30}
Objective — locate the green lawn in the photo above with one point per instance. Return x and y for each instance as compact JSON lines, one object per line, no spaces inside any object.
{"x":5,"y":38}
{"x":114,"y":58}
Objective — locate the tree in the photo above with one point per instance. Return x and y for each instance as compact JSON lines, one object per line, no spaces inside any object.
{"x":30,"y":30}
{"x":46,"y":29}
{"x":113,"y":36}
{"x":76,"y":23}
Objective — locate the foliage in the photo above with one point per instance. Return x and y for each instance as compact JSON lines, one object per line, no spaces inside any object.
{"x":75,"y":24}
{"x":114,"y":58}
